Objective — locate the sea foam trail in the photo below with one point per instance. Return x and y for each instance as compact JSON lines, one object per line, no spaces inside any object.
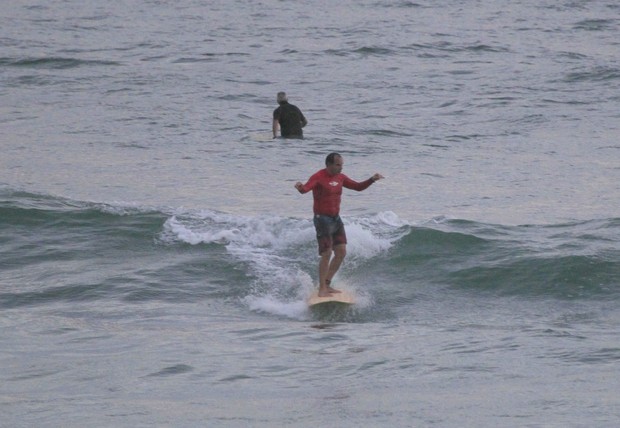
{"x":280,"y":253}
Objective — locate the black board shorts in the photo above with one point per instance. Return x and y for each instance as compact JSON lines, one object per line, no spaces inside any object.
{"x":329,"y":232}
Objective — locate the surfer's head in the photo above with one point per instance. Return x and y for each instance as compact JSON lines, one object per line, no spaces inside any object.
{"x":334,"y":163}
{"x":282,"y":98}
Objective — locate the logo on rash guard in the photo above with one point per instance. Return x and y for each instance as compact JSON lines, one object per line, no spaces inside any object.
{"x":333,"y":183}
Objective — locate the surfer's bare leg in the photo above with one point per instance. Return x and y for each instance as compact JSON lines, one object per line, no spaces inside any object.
{"x":323,"y":269}
{"x":340,"y":251}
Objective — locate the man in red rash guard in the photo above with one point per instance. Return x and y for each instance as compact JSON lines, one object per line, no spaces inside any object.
{"x":326,"y":186}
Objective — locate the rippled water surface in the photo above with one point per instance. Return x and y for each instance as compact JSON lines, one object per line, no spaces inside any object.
{"x":156,"y":258}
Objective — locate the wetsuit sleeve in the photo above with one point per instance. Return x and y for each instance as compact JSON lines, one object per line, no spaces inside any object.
{"x":310,"y":184}
{"x":354,"y":185}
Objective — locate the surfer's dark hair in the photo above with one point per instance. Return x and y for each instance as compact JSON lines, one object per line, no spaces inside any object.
{"x":331,"y":158}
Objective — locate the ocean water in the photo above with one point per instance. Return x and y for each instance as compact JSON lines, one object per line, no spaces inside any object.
{"x":155,"y":258}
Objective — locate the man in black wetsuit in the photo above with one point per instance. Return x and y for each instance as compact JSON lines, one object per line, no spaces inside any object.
{"x":289,"y":118}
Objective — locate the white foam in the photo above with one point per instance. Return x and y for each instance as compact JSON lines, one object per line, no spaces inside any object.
{"x":281,"y":252}
{"x":296,"y":309}
{"x":361,"y":242}
{"x":187,"y":234}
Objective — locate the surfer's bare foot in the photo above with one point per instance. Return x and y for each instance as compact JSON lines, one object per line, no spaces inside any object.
{"x":332,"y":290}
{"x":324,"y":293}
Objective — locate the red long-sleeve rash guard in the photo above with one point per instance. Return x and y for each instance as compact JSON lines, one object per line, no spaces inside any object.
{"x":327,"y":190}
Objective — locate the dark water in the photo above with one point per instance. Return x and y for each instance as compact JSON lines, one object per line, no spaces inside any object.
{"x":155,"y":258}
{"x":101,"y":303}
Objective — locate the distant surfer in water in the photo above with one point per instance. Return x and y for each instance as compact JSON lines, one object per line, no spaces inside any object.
{"x":326,"y":186}
{"x":288,"y":118}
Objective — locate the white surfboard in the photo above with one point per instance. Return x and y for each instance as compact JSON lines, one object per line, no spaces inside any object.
{"x":344,"y":297}
{"x":261,"y":136}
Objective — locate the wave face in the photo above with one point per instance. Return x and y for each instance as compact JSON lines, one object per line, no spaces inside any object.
{"x":56,"y":250}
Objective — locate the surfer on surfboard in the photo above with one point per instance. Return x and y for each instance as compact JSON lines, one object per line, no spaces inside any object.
{"x":326,"y":185}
